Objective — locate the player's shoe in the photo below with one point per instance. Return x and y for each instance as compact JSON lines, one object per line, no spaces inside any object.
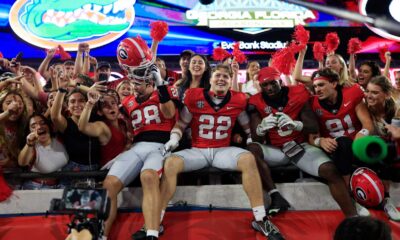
{"x":142,"y":233}
{"x":151,"y":238}
{"x":390,"y":210}
{"x":278,"y":204}
{"x":361,"y":210}
{"x":268,"y":229}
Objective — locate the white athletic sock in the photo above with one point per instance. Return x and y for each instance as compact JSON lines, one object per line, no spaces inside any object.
{"x":153,"y":233}
{"x":259,"y":213}
{"x":162,"y":215}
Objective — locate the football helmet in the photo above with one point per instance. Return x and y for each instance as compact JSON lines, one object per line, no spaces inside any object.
{"x":134,"y":56}
{"x":367,"y":188}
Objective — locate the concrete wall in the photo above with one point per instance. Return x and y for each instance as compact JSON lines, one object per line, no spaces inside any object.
{"x":302,"y":196}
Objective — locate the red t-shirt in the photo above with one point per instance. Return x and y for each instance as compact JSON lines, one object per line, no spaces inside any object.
{"x":115,"y":146}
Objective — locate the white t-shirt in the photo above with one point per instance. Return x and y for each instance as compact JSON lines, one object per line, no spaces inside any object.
{"x":248,"y":87}
{"x":50,"y":158}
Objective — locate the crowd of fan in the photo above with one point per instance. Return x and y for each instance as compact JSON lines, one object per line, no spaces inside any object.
{"x":67,"y":116}
{"x":43,"y":131}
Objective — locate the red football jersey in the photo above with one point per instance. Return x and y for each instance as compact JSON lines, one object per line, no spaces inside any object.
{"x":297,"y":97}
{"x":345,"y":121}
{"x":212,"y":124}
{"x":147,"y":116}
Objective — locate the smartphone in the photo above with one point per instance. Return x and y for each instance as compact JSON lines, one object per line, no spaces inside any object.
{"x":16,"y":60}
{"x":85,"y":199}
{"x":19,"y":56}
{"x":103,"y":77}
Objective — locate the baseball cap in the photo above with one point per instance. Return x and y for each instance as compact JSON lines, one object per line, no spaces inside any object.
{"x":103,"y":64}
{"x":267,"y":74}
{"x":186,"y":52}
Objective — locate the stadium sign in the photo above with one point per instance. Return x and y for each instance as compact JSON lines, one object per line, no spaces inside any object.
{"x":254,"y":45}
{"x":48,"y":24}
{"x":249,"y":14}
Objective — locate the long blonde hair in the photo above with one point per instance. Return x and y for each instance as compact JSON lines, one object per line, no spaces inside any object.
{"x":344,"y":73}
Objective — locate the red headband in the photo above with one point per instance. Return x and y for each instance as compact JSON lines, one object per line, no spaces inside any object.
{"x":268,"y":74}
{"x":319,"y":77}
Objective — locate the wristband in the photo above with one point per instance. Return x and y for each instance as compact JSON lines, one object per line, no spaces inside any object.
{"x":317,"y":142}
{"x":30,"y":145}
{"x":62,"y":90}
{"x":163,"y":94}
{"x":177,"y":131}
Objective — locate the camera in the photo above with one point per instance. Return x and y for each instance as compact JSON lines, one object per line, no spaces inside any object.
{"x":90,"y":207}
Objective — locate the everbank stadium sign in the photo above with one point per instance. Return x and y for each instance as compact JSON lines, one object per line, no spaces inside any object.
{"x":249,"y":14}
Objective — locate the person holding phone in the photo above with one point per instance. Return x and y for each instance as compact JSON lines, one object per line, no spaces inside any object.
{"x":103,"y":72}
{"x":111,"y":130}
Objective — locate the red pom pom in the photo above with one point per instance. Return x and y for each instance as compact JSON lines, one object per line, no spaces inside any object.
{"x":5,"y":190}
{"x":159,"y":30}
{"x":284,"y":59}
{"x":220,"y":54}
{"x":301,"y":35}
{"x":63,"y":54}
{"x":1,"y":55}
{"x":354,"y":46}
{"x":382,"y":50}
{"x":319,"y":51}
{"x":238,"y":55}
{"x":332,"y":42}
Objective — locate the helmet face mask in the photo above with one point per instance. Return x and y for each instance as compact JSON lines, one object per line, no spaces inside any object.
{"x":140,"y":74}
{"x":134,"y":55}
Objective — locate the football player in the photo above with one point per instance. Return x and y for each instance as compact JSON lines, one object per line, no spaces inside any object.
{"x":343,"y":116}
{"x":283,"y":114}
{"x":152,"y":115}
{"x":211,"y":115}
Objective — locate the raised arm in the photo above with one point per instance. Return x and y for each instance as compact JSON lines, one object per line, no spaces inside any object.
{"x":388,"y":58}
{"x":45,"y":63}
{"x":15,"y":80}
{"x":154,"y":47}
{"x":35,"y":90}
{"x":94,"y":129}
{"x":59,"y":121}
{"x":297,"y":72}
{"x":79,"y":58}
{"x":352,"y":66}
{"x":235,"y":70}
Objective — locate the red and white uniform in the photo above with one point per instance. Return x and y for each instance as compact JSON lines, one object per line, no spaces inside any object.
{"x":151,"y":130}
{"x":297,"y":97}
{"x":212,"y":124}
{"x":345,"y":121}
{"x":147,"y":116}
